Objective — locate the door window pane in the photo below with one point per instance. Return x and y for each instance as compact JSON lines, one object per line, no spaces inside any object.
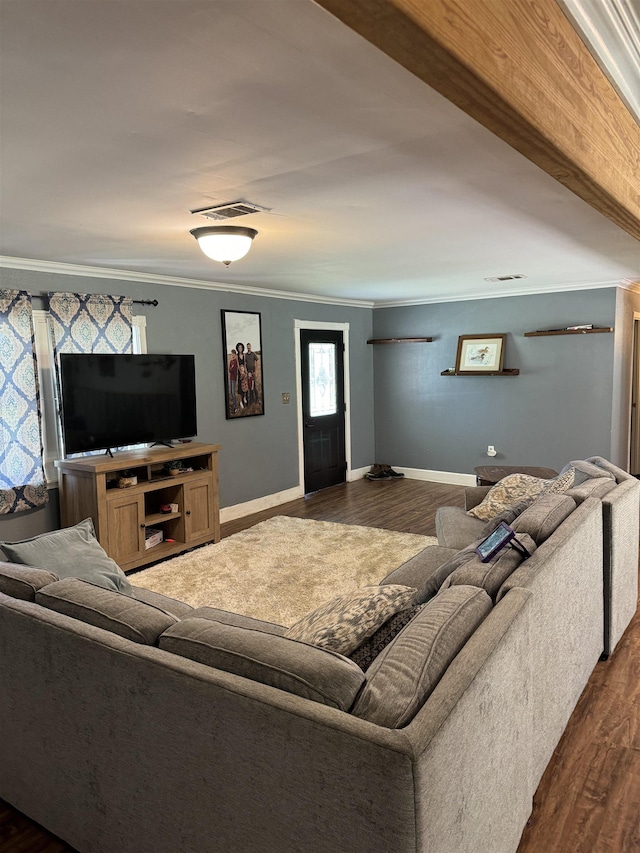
{"x":322,"y":380}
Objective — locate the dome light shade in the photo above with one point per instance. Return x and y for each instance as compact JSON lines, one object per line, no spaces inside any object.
{"x":224,"y":243}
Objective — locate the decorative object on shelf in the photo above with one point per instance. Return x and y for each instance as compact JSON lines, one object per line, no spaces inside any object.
{"x":480,"y":353}
{"x":152,"y":536}
{"x":174,"y":467}
{"x":127,"y":479}
{"x":224,"y":243}
{"x":586,"y":329}
{"x":243,"y":365}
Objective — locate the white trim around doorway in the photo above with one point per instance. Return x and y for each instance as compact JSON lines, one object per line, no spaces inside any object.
{"x":298,"y":325}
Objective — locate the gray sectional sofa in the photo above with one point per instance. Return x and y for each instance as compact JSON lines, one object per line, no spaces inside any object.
{"x":131,"y":722}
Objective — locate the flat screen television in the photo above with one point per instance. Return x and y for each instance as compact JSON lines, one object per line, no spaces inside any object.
{"x":110,"y":400}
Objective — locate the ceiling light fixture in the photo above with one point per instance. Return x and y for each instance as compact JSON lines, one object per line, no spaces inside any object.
{"x":224,"y":243}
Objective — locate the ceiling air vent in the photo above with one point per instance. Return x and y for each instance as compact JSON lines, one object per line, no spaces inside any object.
{"x":505,"y":277}
{"x":229,"y":210}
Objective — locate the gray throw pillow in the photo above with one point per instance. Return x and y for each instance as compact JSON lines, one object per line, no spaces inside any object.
{"x":407,"y":671}
{"x":73,"y":552}
{"x":583,"y":470}
{"x":344,"y":622}
{"x":316,"y":674}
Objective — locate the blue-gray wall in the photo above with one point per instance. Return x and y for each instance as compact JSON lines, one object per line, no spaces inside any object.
{"x":571,"y":399}
{"x":558,"y":408}
{"x":259,"y":455}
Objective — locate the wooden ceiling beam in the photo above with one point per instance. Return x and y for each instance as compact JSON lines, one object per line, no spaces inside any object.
{"x":519,"y":68}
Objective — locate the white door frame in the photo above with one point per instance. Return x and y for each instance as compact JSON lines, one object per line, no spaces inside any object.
{"x":634,"y":434}
{"x":338,"y":327}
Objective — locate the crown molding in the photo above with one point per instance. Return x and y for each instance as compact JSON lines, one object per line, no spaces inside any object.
{"x":519,"y":291}
{"x":611,"y":29}
{"x":57,"y":268}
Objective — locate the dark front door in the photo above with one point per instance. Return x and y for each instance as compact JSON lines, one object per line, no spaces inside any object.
{"x":323,"y":408}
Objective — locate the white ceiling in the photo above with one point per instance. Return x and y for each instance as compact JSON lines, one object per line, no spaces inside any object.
{"x":120,"y":116}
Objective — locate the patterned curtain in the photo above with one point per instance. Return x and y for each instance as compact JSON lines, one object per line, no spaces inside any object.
{"x":89,"y":323}
{"x":82,"y":322}
{"x":22,"y":483}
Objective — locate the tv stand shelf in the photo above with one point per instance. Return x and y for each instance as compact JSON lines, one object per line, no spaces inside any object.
{"x":122,"y":517}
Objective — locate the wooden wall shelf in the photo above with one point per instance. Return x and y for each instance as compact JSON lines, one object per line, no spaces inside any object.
{"x":508,"y":371}
{"x":400,"y":341}
{"x":543,"y":334}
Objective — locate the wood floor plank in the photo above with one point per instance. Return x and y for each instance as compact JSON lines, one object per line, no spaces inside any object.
{"x":588,"y":800}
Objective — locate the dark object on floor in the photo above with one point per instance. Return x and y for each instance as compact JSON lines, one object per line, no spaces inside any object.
{"x":382,"y":472}
{"x":390,"y":472}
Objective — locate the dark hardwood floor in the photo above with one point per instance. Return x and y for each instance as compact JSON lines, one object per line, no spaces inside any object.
{"x":589,"y":798}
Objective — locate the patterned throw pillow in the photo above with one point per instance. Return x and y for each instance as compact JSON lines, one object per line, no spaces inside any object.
{"x":343,"y":623}
{"x":365,"y":654}
{"x":506,"y":492}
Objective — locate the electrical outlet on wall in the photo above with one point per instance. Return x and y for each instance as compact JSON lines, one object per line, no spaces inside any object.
{"x":286,"y":397}
{"x":491,"y":451}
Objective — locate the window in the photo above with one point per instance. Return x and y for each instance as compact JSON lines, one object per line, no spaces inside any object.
{"x":46,"y":379}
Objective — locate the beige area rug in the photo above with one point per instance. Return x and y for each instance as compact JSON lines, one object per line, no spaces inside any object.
{"x":282,"y":568}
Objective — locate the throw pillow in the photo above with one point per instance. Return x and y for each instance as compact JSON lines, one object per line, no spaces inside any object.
{"x":316,"y":674}
{"x":73,"y":552}
{"x":619,"y":474}
{"x":506,"y":492}
{"x":365,"y":654}
{"x":404,"y":675}
{"x":583,"y":470}
{"x":344,"y":622}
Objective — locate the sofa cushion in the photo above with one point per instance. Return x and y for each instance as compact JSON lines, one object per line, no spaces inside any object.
{"x":228,"y":618}
{"x":73,"y":552}
{"x":595,"y":488}
{"x":544,"y":516}
{"x":508,"y":515}
{"x":23,"y":581}
{"x":365,"y":654}
{"x":490,"y":575}
{"x":506,"y":492}
{"x":314,"y":673}
{"x":105,"y":608}
{"x":455,"y":527}
{"x":405,"y":673}
{"x":172,"y":606}
{"x":421,"y":571}
{"x":344,"y":622}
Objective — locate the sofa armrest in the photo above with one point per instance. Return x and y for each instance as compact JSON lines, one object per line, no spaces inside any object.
{"x":474,"y":495}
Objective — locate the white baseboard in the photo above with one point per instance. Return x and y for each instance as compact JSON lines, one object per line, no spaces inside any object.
{"x":230,"y":513}
{"x":357,"y":473}
{"x":449,"y":477}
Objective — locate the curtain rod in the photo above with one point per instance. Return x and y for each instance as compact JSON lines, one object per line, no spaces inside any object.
{"x":153,"y":302}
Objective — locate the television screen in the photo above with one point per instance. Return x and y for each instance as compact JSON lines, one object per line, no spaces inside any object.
{"x":113,"y":400}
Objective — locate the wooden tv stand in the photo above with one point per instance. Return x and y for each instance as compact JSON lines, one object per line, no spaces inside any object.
{"x":121,"y":517}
